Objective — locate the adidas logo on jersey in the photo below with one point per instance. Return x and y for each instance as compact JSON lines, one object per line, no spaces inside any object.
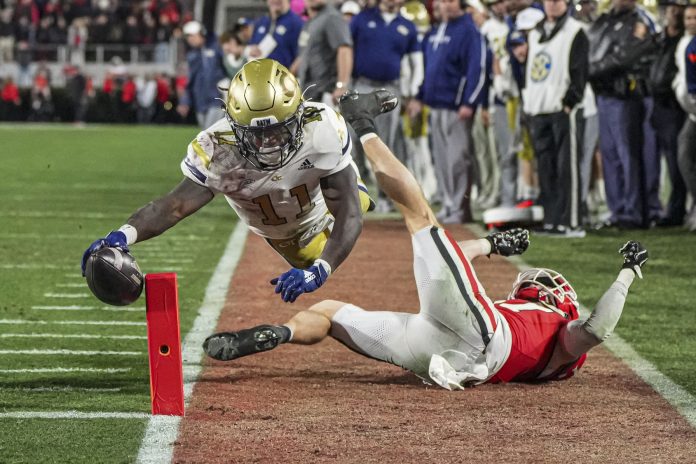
{"x":306,"y":164}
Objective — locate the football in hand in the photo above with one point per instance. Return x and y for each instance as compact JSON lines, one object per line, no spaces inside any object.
{"x":113,"y":276}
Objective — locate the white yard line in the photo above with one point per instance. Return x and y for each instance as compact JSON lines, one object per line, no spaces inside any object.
{"x":25,"y":321}
{"x":135,"y":309}
{"x":81,"y":336}
{"x":680,"y":399}
{"x":61,"y":215}
{"x":72,"y":285}
{"x":62,"y":389}
{"x":72,"y":415}
{"x":66,"y":295}
{"x":35,"y":266}
{"x":162,"y":431}
{"x":64,"y":352}
{"x":51,"y":370}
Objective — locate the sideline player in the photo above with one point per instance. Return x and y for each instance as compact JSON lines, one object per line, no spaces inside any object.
{"x":283,"y":164}
{"x":460,"y":337}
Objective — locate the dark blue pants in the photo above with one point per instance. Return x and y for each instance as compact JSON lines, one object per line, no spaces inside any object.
{"x":652,"y":208}
{"x":620,"y":142}
{"x":667,"y":120}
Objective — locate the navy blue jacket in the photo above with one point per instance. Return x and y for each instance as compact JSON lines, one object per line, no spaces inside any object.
{"x":378,"y":48}
{"x":286,"y":34}
{"x":455,"y":65}
{"x":205,"y":72}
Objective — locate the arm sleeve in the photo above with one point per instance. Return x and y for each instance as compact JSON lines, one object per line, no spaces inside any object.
{"x":198,"y":155}
{"x":416,"y":76}
{"x":578,"y":69}
{"x":474,"y":55}
{"x":256,"y":36}
{"x":580,"y":336}
{"x":338,"y":32}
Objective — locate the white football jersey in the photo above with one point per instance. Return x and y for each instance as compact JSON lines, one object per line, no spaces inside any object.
{"x":278,"y":204}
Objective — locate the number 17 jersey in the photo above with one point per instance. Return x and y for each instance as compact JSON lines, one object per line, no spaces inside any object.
{"x":279,"y":204}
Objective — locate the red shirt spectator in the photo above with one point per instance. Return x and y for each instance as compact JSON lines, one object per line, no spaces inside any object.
{"x":163,"y":90}
{"x":128,"y":92}
{"x":10,"y":93}
{"x":108,"y":85}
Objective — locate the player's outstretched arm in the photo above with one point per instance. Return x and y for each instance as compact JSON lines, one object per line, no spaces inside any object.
{"x":579,"y":336}
{"x":393,"y":177}
{"x":504,"y":243}
{"x":155,"y":217}
{"x":343,"y":202}
{"x":161,"y":214}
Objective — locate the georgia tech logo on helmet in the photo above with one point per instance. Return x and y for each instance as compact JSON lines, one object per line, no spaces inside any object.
{"x":541,"y":66}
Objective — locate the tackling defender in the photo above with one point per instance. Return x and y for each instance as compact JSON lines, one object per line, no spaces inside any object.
{"x":460,"y":337}
{"x":283,"y":164}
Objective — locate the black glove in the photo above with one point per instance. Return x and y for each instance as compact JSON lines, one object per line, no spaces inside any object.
{"x":635,"y":255}
{"x":510,"y":242}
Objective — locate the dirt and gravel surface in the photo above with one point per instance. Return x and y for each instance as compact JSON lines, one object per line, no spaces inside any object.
{"x":327,"y":404}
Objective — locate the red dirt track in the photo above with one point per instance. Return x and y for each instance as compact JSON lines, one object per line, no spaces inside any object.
{"x":325,"y":403}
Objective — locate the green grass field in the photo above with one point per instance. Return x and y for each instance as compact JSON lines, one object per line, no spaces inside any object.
{"x":63,"y":187}
{"x":659,"y":320}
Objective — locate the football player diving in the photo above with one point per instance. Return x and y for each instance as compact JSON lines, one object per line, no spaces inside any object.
{"x":283,"y":164}
{"x":460,"y":337}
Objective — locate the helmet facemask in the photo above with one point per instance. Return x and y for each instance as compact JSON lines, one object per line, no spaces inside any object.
{"x":268,"y":144}
{"x":264,"y":108}
{"x":547,"y":287}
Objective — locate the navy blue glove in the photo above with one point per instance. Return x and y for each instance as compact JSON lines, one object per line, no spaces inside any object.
{"x":295,"y":282}
{"x":115,"y":239}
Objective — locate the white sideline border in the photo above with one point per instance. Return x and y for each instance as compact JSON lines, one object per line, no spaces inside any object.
{"x":675,"y":395}
{"x":161,"y":432}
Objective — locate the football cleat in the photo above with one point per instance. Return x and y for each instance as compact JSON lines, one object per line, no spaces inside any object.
{"x":510,"y":242}
{"x":226,"y":346}
{"x":635,"y":255}
{"x":360,"y":109}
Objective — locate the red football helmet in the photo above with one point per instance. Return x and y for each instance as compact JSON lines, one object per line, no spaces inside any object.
{"x":547,"y":287}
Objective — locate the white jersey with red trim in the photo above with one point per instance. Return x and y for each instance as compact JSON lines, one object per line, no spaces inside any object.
{"x":278,"y":204}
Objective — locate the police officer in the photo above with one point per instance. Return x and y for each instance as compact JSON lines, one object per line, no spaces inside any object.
{"x":382,"y":38}
{"x":276,"y":34}
{"x":455,"y":76}
{"x":668,"y":117}
{"x":620,"y":51}
{"x":555,"y":78}
{"x":205,"y":71}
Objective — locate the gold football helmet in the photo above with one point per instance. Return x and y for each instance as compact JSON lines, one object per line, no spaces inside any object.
{"x":264,"y":108}
{"x":416,"y":12}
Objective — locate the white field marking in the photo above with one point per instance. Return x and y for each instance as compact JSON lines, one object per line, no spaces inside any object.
{"x":61,"y":389}
{"x":81,"y":336}
{"x":74,"y":352}
{"x":75,"y":275}
{"x":73,"y":285}
{"x":35,"y":266}
{"x":72,"y":415}
{"x":35,"y":235}
{"x":51,"y":370}
{"x":61,"y":215}
{"x":680,"y":399}
{"x":162,"y":431}
{"x":162,"y":259}
{"x":89,"y":308}
{"x":25,"y":321}
{"x":66,"y":295}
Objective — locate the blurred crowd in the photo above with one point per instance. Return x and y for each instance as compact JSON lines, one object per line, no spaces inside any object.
{"x":78,"y":22}
{"x":506,"y":105}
